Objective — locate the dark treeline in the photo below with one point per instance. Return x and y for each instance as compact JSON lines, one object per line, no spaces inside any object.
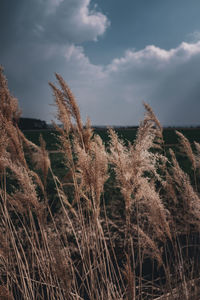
{"x":31,"y":124}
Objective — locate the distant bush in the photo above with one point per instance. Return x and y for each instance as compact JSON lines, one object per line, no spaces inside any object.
{"x":31,"y":124}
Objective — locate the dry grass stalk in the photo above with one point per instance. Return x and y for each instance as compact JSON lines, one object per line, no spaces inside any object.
{"x":71,"y":103}
{"x":92,"y":171}
{"x":190,"y":199}
{"x":8,"y":104}
{"x":186,"y":148}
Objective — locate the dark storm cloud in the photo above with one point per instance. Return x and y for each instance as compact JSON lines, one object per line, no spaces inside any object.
{"x":50,"y":20}
{"x":35,"y":36}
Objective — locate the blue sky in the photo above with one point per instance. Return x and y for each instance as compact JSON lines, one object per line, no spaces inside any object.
{"x":138,"y":23}
{"x":114,"y":54}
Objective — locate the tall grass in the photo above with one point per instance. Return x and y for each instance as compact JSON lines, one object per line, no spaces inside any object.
{"x":127,"y":219}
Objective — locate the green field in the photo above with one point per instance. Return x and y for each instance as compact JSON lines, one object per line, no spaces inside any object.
{"x":128,"y":134}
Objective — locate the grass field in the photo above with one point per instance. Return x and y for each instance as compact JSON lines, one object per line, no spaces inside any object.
{"x":97,"y":218}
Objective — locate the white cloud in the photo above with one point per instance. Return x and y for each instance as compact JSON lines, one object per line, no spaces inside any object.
{"x":167,"y":79}
{"x":72,"y":21}
{"x":155,"y":56}
{"x":57,"y":21}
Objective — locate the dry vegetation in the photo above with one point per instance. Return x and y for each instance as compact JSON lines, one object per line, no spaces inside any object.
{"x":144,"y":244}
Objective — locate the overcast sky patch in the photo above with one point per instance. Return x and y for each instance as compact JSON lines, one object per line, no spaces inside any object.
{"x":76,"y":37}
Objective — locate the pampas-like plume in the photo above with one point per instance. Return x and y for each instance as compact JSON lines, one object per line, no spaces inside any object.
{"x":190,"y":199}
{"x":153,"y":125}
{"x":186,"y":148}
{"x":9,"y":115}
{"x":39,"y":155}
{"x":8,"y":104}
{"x":131,"y":163}
{"x":63,"y":114}
{"x":71,"y":102}
{"x":27,"y":190}
{"x":68,"y":110}
{"x":92,"y":170}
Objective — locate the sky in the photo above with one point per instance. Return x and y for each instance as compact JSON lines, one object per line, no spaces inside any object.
{"x":114,"y":54}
